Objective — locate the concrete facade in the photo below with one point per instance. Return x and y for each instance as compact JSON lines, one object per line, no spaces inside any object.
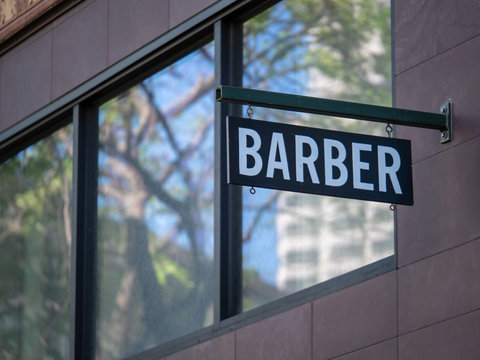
{"x":78,"y":45}
{"x":429,"y":308}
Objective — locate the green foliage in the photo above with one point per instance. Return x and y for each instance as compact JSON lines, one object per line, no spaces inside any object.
{"x":347,"y":41}
{"x":35,"y":195}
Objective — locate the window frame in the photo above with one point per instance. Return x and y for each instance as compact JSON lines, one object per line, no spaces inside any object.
{"x":223,"y":23}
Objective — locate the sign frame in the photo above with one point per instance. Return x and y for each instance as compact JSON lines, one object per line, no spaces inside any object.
{"x":282,"y":156}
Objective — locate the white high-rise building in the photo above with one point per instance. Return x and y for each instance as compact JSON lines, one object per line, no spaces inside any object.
{"x":333,"y":237}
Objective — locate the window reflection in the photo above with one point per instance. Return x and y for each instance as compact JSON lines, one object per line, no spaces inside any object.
{"x":337,"y":50}
{"x":35,"y":246}
{"x":155,"y":209}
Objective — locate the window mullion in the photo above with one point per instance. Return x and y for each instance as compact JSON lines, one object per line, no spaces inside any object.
{"x":228,"y":199}
{"x":84,"y":218}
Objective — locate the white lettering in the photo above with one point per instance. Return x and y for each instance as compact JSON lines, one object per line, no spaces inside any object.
{"x":337,"y":162}
{"x":391,"y":171}
{"x":358,"y":166}
{"x":278,"y":143}
{"x":302,"y":160}
{"x":244,"y":152}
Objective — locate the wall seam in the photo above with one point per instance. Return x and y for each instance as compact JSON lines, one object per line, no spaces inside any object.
{"x":311,"y":330}
{"x":107,"y":40}
{"x":52,"y":54}
{"x":398,"y":313}
{"x":476,"y":237}
{"x":440,"y":322}
{"x":235,"y":345}
{"x":169,"y":15}
{"x":78,"y":7}
{"x":437,"y":55}
{"x":451,"y":147}
{"x":362,"y":348}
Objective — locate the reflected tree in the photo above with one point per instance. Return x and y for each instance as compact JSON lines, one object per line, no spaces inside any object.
{"x":342,"y":43}
{"x":334,"y":49}
{"x":156,"y":164}
{"x":35,"y":243}
{"x":156,"y":208}
{"x":155,"y":205}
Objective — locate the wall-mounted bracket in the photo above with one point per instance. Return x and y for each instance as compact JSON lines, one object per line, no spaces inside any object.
{"x":438,"y":121}
{"x":446,"y":135}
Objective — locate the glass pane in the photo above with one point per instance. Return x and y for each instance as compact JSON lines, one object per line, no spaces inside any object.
{"x":35,"y":246}
{"x":337,"y":50}
{"x":155,"y":209}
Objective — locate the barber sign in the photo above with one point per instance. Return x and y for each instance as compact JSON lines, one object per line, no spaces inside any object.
{"x":316,"y":161}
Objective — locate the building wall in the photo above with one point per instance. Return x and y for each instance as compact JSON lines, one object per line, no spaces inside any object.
{"x":437,"y":58}
{"x":430,"y":307}
{"x":81,"y":43}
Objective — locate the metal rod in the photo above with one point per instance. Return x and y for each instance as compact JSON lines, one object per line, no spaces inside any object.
{"x":345,"y":109}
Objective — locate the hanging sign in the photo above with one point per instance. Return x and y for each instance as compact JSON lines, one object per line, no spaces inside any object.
{"x":317,"y":161}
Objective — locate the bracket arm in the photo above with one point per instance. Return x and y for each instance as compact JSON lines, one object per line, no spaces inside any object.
{"x":345,"y":109}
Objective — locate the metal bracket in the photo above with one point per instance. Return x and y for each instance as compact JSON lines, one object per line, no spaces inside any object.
{"x":438,"y":121}
{"x":446,"y":135}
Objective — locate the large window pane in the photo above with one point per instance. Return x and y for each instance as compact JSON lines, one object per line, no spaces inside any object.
{"x":332,"y":49}
{"x":35,"y":247}
{"x":155,"y":209}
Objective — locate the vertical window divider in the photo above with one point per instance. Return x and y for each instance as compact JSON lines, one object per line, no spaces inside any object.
{"x":394,"y":98}
{"x":228,"y":198}
{"x":84,"y":231}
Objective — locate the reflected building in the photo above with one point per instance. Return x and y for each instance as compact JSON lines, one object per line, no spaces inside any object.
{"x":333,"y":237}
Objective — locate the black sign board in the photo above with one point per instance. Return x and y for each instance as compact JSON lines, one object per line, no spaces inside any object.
{"x":317,"y":161}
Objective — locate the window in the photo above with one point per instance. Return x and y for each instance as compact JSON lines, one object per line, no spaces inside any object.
{"x":337,"y":50}
{"x":161,"y":250}
{"x":155,"y":209}
{"x":35,"y":243}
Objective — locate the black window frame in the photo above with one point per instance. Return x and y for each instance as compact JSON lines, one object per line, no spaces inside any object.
{"x":223,"y":23}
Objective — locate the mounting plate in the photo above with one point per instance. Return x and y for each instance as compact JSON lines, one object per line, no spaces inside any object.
{"x":446,"y":135}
